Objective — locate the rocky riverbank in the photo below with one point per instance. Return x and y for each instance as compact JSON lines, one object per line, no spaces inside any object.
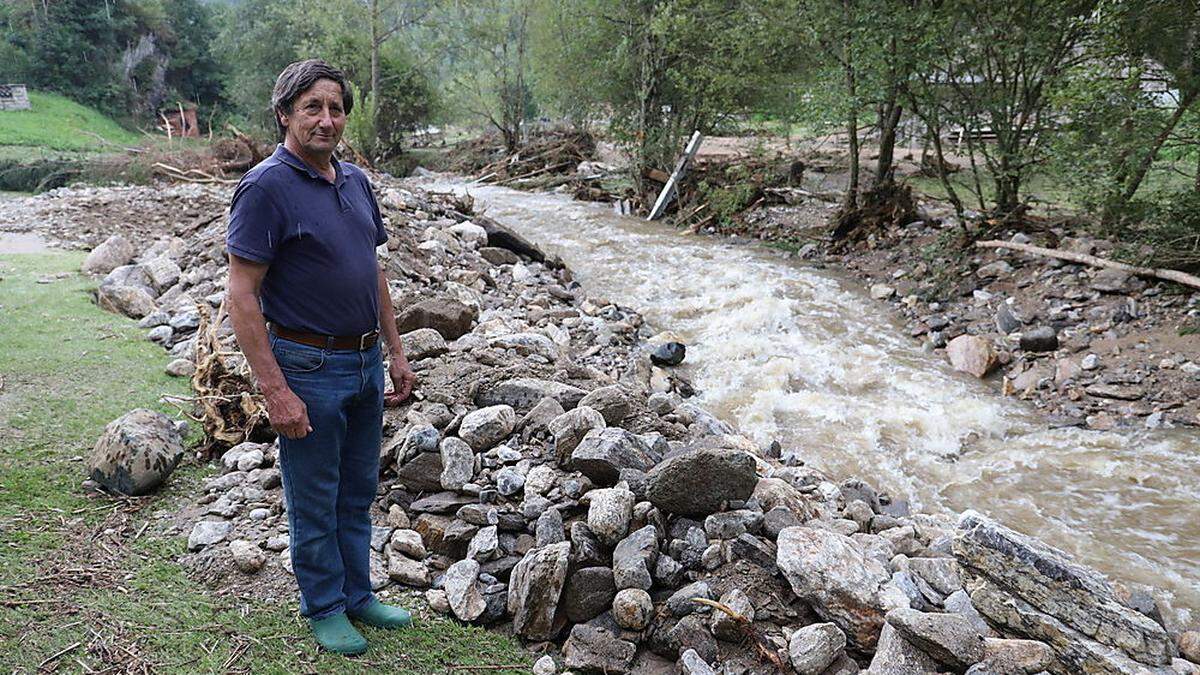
{"x":549,"y":481}
{"x":1089,"y":347}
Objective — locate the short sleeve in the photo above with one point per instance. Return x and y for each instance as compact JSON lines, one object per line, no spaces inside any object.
{"x":256,"y":225}
{"x":381,"y":235}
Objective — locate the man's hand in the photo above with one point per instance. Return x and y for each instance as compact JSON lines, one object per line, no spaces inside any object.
{"x":403,"y":378}
{"x":288,"y":414}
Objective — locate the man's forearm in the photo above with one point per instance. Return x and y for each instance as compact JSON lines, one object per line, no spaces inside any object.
{"x":387,"y":319}
{"x":250,"y":328}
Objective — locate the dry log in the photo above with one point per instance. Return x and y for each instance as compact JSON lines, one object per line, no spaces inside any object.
{"x":1093,"y":261}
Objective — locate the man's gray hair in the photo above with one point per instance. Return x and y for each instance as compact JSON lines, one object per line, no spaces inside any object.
{"x":296,"y":79}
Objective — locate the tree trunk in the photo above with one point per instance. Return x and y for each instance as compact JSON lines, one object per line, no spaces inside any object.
{"x":851,"y":199}
{"x":889,"y":120}
{"x":1139,"y":173}
{"x":374,"y":110}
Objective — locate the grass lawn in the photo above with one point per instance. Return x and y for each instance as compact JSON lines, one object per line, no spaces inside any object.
{"x":85,"y":582}
{"x":57,"y":123}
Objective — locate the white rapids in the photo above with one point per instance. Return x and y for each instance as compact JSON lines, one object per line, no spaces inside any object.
{"x":800,"y":355}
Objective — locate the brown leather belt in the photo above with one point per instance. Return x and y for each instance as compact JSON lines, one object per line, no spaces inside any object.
{"x":355,"y":342}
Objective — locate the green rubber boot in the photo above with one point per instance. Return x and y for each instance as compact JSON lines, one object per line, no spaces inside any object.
{"x":335,"y":634}
{"x":380,"y":615}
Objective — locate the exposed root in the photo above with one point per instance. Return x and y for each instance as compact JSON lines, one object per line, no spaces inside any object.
{"x":229,"y":409}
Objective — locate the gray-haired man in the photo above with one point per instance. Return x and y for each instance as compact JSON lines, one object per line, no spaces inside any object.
{"x":309,"y":303}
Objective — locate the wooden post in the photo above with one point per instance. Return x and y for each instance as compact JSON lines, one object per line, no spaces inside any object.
{"x":668,"y":191}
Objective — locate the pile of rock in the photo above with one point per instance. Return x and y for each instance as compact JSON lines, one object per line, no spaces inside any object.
{"x":550,"y":481}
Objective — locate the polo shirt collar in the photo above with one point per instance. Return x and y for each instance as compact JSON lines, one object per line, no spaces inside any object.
{"x":287,"y":157}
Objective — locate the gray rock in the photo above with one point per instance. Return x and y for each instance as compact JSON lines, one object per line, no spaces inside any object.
{"x":162,"y":272}
{"x":407,"y":571}
{"x":461,"y":583}
{"x":1050,"y":598}
{"x":108,"y":256}
{"x":208,"y":532}
{"x":458,"y":463}
{"x":181,"y":368}
{"x":940,"y":573}
{"x":540,"y":479}
{"x":691,"y":632}
{"x":549,"y":528}
{"x":960,"y":603}
{"x":134,"y":302}
{"x":612,"y":402}
{"x":609,"y":513}
{"x":248,"y":558}
{"x":669,"y":354}
{"x":690,"y":663}
{"x":423,"y":343}
{"x":569,"y":428}
{"x":524,"y":393}
{"x":509,"y":481}
{"x":484,"y":428}
{"x":815,"y":647}
{"x":604,"y":452}
{"x":591,"y":649}
{"x":589,"y":593}
{"x":136,"y":453}
{"x":696,"y":483}
{"x":540,"y":416}
{"x":831,"y":574}
{"x":484,"y":545}
{"x":1110,"y":281}
{"x":632,"y":608}
{"x":681,"y":601}
{"x":534,"y":589}
{"x":726,"y":627}
{"x":586,"y":548}
{"x":948,"y":638}
{"x":778,"y":519}
{"x":1006,"y":321}
{"x":1013,"y":657}
{"x":1040,"y":339}
{"x":409,"y":543}
{"x":423,"y":472}
{"x":634,"y":557}
{"x":896,"y":656}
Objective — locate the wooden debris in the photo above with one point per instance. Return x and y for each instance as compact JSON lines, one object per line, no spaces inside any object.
{"x":668,"y":191}
{"x":1084,"y":259}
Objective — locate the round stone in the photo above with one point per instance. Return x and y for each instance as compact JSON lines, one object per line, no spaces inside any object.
{"x":632,"y":609}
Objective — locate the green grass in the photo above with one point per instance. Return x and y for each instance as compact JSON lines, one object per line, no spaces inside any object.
{"x":57,"y":123}
{"x":75,"y":577}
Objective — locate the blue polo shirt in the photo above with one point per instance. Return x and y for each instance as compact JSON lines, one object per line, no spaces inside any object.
{"x":318,"y":239}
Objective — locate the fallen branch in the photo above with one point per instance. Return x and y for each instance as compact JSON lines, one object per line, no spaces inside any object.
{"x":1085,"y":259}
{"x":60,"y":653}
{"x":747,"y":627}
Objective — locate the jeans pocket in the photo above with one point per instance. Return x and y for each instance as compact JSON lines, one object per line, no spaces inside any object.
{"x":298,"y":359}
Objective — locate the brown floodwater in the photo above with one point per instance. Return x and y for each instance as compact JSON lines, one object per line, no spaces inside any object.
{"x":789,"y":352}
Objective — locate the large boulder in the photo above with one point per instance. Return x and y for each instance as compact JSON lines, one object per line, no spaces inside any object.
{"x":609,"y":513}
{"x":461,"y":583}
{"x":896,"y":656}
{"x":451,"y":318}
{"x":592,"y":649}
{"x":534,"y":589}
{"x":484,"y":428}
{"x":588,"y":594}
{"x":815,"y":647}
{"x":423,"y":343}
{"x":696,"y":483}
{"x":949,"y":638}
{"x":612,"y":402}
{"x":523,"y":393}
{"x":108,"y":256}
{"x":603,"y":453}
{"x":839,"y":581}
{"x":136,"y":452}
{"x":162,"y":272}
{"x":570,"y":427}
{"x":1030,"y":589}
{"x":134,"y":302}
{"x":972,"y":354}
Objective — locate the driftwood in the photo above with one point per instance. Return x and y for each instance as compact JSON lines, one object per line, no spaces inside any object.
{"x":1091,"y":260}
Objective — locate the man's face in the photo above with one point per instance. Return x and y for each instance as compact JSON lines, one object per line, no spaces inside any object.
{"x":317,"y":118}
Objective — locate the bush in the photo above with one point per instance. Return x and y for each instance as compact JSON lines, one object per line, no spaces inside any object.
{"x":1164,"y":231}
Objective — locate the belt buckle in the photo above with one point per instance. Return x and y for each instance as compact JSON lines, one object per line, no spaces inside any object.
{"x":362,"y":340}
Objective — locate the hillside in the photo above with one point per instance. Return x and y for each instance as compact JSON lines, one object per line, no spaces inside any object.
{"x":59,"y":124}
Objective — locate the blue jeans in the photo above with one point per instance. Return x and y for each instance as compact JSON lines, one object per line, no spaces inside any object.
{"x":330,"y":476}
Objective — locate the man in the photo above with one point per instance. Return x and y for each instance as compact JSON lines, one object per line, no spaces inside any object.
{"x":309,"y":301}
